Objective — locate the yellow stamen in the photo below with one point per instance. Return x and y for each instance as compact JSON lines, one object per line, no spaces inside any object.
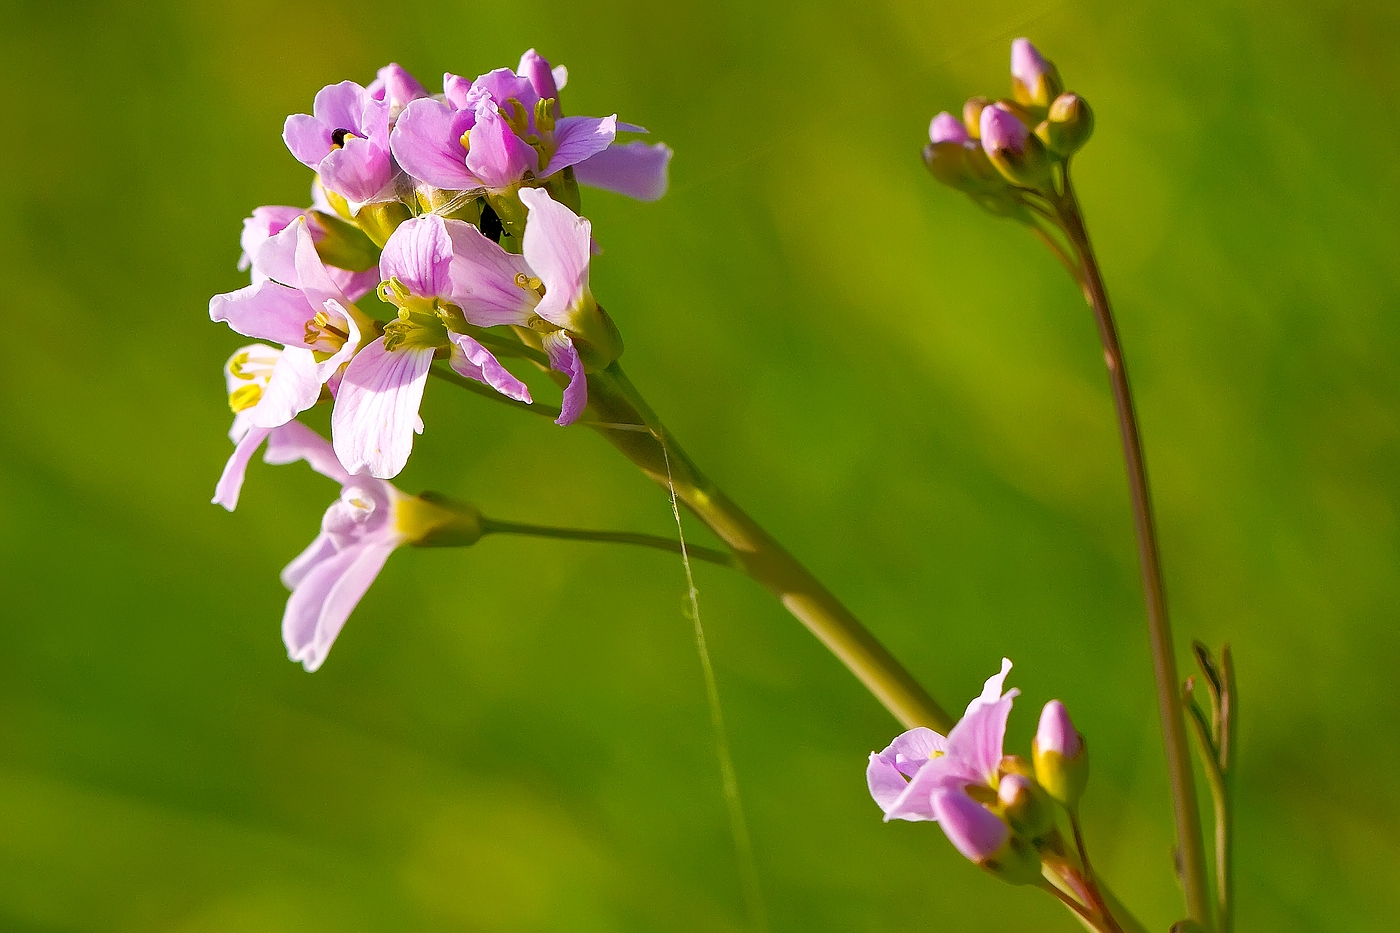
{"x":244,"y":397}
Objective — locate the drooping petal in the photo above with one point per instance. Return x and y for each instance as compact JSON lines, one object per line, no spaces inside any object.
{"x":636,"y":169}
{"x":497,"y":156}
{"x":295,"y":441}
{"x":557,"y":247}
{"x":484,"y":279}
{"x":294,"y":387}
{"x":579,"y":138}
{"x":377,"y":407}
{"x":975,"y":831}
{"x":322,"y":602}
{"x":563,"y":357}
{"x":359,"y":169}
{"x":474,"y":361}
{"x":319,"y":550}
{"x":418,"y":254}
{"x":427,"y":141}
{"x":266,"y":311}
{"x":231,"y":480}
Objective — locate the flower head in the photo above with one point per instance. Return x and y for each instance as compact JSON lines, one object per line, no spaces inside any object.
{"x":345,"y":139}
{"x":1034,"y":80}
{"x":947,"y":128}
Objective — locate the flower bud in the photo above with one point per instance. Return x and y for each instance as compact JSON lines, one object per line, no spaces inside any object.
{"x":379,"y":219}
{"x":947,"y":128}
{"x":435,"y":520}
{"x":972,"y":115}
{"x":1025,"y":806}
{"x":1068,"y":126}
{"x":982,"y":837}
{"x":1061,"y":756}
{"x":344,"y":245}
{"x":1034,"y":80}
{"x":1018,"y":155}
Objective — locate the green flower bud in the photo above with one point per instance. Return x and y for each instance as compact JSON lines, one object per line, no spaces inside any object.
{"x":435,"y":520}
{"x":345,"y":245}
{"x":1068,"y":126}
{"x":379,"y":219}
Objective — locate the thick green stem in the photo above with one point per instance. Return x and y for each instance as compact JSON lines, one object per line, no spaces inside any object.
{"x":1190,"y":845}
{"x":492,"y":526}
{"x":622,"y":416}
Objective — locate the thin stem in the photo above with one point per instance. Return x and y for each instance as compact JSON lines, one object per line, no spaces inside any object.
{"x":1090,"y":881}
{"x":618,"y":410}
{"x":493,"y":526}
{"x":1224,"y":806}
{"x":1190,"y":845}
{"x":1086,"y":916}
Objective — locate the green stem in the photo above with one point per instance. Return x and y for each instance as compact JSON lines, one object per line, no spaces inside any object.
{"x":1224,"y":804}
{"x":493,"y":526}
{"x":622,"y":416}
{"x":471,"y":385}
{"x":1190,"y":845}
{"x":1090,"y":881}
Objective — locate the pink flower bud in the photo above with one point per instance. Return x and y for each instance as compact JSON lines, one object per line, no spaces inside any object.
{"x":1056,"y":733}
{"x":1013,"y":789}
{"x":1002,"y":131}
{"x":1027,"y":64}
{"x":947,"y":128}
{"x":975,"y":831}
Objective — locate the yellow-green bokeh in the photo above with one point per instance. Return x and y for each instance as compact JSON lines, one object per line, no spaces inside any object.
{"x":907,"y":392}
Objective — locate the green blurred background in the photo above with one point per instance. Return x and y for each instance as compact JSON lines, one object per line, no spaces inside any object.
{"x":907,"y":392}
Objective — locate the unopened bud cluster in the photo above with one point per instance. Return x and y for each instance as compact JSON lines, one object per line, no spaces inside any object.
{"x":998,"y":810}
{"x":1001,"y":148}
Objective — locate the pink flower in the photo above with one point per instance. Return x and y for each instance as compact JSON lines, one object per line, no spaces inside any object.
{"x":345,"y":139}
{"x":267,"y":387}
{"x":376,"y":409}
{"x":358,"y":533}
{"x":919,"y":765}
{"x":267,"y":222}
{"x":505,"y":126}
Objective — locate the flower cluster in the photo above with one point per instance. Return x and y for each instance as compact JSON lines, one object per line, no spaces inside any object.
{"x":444,"y":228}
{"x":994,"y":808}
{"x":1001,"y":150}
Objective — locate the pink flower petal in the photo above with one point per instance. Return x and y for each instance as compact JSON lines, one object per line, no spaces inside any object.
{"x":231,"y":480}
{"x":563,"y":357}
{"x":474,"y":361}
{"x":377,"y":407}
{"x":636,"y":169}
{"x":557,"y":246}
{"x":484,"y":279}
{"x":579,"y":138}
{"x":427,"y":141}
{"x":295,"y":441}
{"x":418,"y":254}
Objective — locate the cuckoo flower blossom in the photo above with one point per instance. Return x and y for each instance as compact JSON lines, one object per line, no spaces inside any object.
{"x":505,"y":126}
{"x":919,"y":766}
{"x":345,"y":139}
{"x":376,"y":409}
{"x":267,"y":387}
{"x":358,"y":533}
{"x":267,"y":222}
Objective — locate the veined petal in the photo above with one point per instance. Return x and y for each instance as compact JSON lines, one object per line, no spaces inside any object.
{"x":497,"y":156}
{"x":266,"y":311}
{"x":313,"y":278}
{"x":912,"y":750}
{"x":377,"y":406}
{"x":884,"y":780}
{"x":483,"y":279}
{"x":427,"y":141}
{"x":266,"y":222}
{"x":231,"y":481}
{"x":975,"y":831}
{"x":563,"y":357}
{"x":276,"y":256}
{"x":341,"y":106}
{"x":294,"y":387}
{"x":325,"y":597}
{"x":557,"y":247}
{"x":636,"y":169}
{"x":294,"y":441}
{"x":578,"y":138}
{"x":418,"y":254}
{"x":474,"y":361}
{"x":915,"y":802}
{"x":359,"y":169}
